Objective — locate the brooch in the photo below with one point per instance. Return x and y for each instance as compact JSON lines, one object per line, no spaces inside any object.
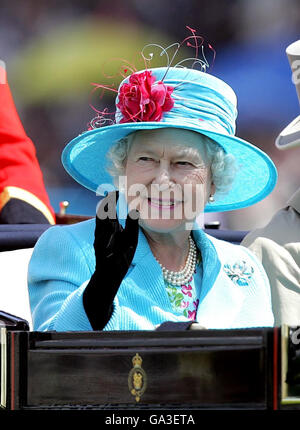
{"x":239,"y":273}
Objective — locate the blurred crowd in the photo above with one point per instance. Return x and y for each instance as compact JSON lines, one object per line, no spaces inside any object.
{"x":54,"y":50}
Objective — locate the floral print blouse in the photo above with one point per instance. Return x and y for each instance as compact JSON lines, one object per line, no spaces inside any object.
{"x":184,"y":298}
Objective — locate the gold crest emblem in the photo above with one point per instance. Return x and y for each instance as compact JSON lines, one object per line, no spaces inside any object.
{"x":137,"y":379}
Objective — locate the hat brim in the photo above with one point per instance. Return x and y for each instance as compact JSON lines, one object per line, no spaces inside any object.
{"x":84,"y":158}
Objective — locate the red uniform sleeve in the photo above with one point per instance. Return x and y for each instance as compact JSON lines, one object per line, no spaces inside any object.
{"x":20,"y":173}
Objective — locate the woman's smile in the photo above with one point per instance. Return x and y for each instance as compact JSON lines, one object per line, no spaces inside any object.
{"x":163,"y":204}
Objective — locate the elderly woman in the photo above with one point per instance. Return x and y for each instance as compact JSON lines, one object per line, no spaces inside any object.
{"x":172,"y":154}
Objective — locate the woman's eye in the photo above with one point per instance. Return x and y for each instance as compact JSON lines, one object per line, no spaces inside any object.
{"x":145,"y":159}
{"x":184,"y":163}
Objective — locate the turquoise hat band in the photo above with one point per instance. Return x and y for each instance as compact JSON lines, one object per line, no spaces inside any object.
{"x":216,"y":106}
{"x":203,"y":104}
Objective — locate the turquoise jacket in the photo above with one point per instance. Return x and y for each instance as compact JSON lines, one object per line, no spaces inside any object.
{"x":235,"y":291}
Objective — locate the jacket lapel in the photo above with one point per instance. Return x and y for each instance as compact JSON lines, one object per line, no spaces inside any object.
{"x":220,"y":299}
{"x":147,"y":274}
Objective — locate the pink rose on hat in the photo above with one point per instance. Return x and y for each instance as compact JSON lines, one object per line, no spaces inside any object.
{"x":143,"y":99}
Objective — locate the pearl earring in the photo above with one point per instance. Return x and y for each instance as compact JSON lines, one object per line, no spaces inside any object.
{"x":211,"y":198}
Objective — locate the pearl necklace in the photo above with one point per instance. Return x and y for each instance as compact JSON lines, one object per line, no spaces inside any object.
{"x":184,"y":275}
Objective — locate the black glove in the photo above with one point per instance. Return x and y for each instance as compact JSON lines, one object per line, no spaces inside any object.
{"x":114,"y":251}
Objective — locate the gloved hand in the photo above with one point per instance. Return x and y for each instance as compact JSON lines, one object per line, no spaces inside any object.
{"x":114,"y":250}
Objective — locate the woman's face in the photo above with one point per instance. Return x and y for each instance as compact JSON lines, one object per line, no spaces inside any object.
{"x":167,"y":178}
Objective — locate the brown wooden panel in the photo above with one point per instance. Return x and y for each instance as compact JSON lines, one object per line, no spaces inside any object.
{"x":183,"y":369}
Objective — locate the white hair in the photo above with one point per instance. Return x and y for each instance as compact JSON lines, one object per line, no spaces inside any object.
{"x":223,"y":166}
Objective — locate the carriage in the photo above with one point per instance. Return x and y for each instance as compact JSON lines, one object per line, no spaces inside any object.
{"x":174,"y":367}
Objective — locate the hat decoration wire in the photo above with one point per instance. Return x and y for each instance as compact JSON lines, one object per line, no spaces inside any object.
{"x":143,"y":98}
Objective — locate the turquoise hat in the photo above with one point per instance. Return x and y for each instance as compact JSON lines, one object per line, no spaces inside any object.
{"x":181,"y":98}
